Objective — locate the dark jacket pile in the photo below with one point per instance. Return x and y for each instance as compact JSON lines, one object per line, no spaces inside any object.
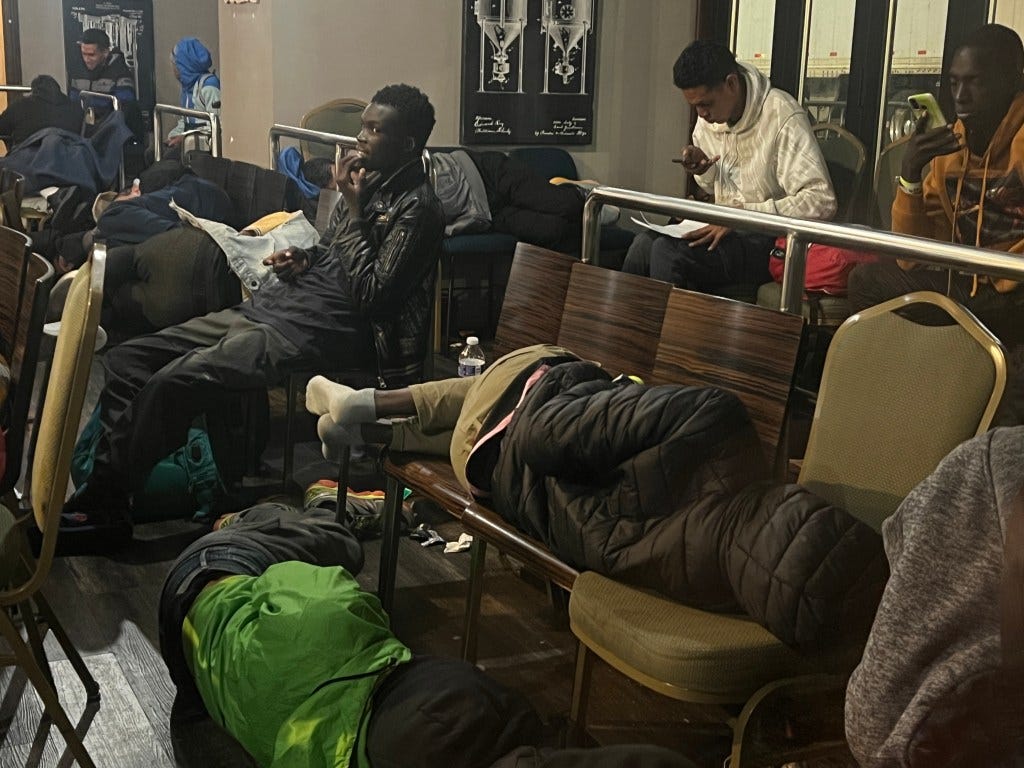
{"x":524,"y":204}
{"x":666,"y":488}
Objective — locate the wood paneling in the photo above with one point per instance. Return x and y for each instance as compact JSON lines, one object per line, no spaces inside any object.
{"x":531,"y":312}
{"x":13,"y":260}
{"x":614,"y":318}
{"x":746,"y":349}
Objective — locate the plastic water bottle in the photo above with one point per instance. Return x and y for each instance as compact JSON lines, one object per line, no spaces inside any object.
{"x":471,"y":358}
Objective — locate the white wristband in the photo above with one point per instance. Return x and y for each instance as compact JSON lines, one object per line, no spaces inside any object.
{"x":911,"y":187}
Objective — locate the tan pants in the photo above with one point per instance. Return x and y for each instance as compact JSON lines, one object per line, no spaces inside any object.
{"x":451,"y":412}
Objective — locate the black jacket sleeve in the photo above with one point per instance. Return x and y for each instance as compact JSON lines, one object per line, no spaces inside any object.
{"x":378,"y":276}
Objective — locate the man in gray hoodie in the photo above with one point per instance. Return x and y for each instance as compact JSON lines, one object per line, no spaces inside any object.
{"x":939,"y":619}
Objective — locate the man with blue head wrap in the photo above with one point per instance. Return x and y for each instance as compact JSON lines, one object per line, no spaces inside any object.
{"x":200,"y":87}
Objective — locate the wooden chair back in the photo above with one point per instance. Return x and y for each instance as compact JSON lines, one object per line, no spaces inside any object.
{"x":12,"y":185}
{"x":613,"y":317}
{"x":13,"y":262}
{"x":31,"y":314}
{"x":743,"y":348}
{"x":532,"y":310}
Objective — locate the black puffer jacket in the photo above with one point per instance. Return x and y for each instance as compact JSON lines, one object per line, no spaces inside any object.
{"x":663,"y":487}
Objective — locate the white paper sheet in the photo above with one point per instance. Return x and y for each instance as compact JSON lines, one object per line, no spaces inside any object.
{"x":684,"y":227}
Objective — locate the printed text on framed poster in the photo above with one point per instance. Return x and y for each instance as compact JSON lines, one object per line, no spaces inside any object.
{"x":528,"y":71}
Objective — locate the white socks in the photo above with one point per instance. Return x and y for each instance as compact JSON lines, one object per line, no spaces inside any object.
{"x":344,"y":404}
{"x":334,"y":437}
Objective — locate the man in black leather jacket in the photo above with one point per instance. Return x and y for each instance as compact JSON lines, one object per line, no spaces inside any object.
{"x":359,"y":298}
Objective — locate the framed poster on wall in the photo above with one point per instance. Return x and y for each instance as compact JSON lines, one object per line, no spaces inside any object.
{"x":129,"y":25}
{"x":528,"y":71}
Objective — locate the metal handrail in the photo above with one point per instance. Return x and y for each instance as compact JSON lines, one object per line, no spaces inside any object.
{"x":171,"y":109}
{"x":116,"y":104}
{"x":16,"y":88}
{"x":278,"y":131}
{"x":96,"y":94}
{"x":340,"y":142}
{"x":799,"y":234}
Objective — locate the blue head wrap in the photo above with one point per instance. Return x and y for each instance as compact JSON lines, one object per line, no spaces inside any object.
{"x":289,"y":162}
{"x":193,"y":61}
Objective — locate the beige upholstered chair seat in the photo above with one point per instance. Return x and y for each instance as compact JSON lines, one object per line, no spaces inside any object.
{"x":684,"y":652}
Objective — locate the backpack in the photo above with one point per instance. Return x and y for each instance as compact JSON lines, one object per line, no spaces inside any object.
{"x":186,"y":484}
{"x":828,"y":266}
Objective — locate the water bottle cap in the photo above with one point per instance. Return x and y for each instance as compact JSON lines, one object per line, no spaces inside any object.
{"x":472,"y":341}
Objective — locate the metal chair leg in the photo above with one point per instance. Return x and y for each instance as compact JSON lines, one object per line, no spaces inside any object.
{"x":51,"y":704}
{"x":291,"y":388}
{"x":471,"y":624}
{"x":92,"y":688}
{"x":580,"y":696}
{"x":451,"y":302}
{"x":389,"y":542}
{"x":340,"y":511}
{"x":35,"y":639}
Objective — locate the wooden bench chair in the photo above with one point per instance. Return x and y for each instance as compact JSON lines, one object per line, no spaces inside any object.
{"x":629,"y":324}
{"x":704,"y":341}
{"x":550,"y":298}
{"x":530,"y":314}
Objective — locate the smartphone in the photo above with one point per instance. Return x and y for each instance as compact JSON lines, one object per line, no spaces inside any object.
{"x":925,"y":102}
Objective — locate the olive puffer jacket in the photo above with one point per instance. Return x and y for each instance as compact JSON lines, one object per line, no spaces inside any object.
{"x":666,"y":488}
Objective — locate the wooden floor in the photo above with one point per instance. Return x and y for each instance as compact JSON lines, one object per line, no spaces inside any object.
{"x":109,"y":607}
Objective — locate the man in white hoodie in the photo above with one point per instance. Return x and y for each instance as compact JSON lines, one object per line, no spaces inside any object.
{"x":752,"y":149}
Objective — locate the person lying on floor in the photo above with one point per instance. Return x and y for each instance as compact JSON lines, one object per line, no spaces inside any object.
{"x":662,"y":487}
{"x":348,"y":692}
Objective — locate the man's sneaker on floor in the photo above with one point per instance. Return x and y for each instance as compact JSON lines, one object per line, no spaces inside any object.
{"x":322,"y":493}
{"x":363,"y":509}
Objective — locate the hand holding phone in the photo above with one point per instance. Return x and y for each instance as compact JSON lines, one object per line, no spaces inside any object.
{"x":925,"y":102}
{"x":695,"y":161}
{"x":932,"y":137}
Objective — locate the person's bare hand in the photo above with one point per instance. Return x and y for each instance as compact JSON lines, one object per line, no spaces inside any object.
{"x":351,"y":176}
{"x":288,"y":264}
{"x":173,"y":141}
{"x":925,"y":145}
{"x":710,"y":236}
{"x":695,"y":160}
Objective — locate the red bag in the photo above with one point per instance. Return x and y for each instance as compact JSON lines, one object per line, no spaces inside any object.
{"x":828,"y":267}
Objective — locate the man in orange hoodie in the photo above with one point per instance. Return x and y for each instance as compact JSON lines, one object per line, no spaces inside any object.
{"x":974,"y":192}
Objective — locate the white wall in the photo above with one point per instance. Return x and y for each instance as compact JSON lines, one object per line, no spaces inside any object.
{"x":42,"y":38}
{"x":41,"y":31}
{"x":247,"y":78}
{"x":282,"y":57}
{"x":279,"y":58}
{"x":176,"y":19}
